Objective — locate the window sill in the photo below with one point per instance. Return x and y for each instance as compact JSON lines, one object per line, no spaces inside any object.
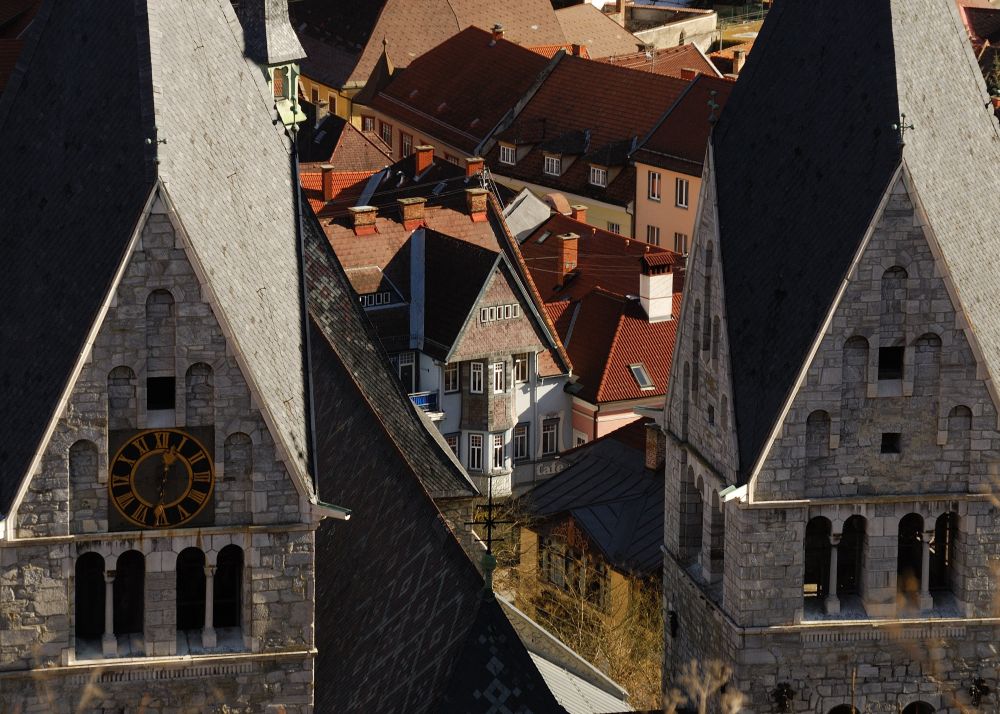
{"x":653,"y":198}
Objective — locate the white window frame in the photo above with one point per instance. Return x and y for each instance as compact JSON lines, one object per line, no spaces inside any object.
{"x":449,"y":378}
{"x":521,"y":367}
{"x":615,"y":228}
{"x":653,"y":185}
{"x":552,"y":165}
{"x":522,"y":442}
{"x":641,"y":376}
{"x":681,"y":243}
{"x":475,"y":452}
{"x":499,"y":378}
{"x":476,"y":378}
{"x":598,"y":176}
{"x":653,"y":235}
{"x":367,"y":123}
{"x":550,"y":437}
{"x":453,"y":441}
{"x":508,"y":154}
{"x":682,"y":190}
{"x":385,"y":132}
{"x":405,"y":143}
{"x":498,"y":456}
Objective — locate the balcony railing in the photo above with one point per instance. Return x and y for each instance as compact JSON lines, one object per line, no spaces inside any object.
{"x":427,"y":401}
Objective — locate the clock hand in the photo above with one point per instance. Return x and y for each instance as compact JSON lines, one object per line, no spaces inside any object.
{"x":168,"y":459}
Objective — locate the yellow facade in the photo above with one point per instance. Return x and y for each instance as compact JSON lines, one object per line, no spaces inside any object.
{"x":340,"y":100}
{"x":665,"y":214}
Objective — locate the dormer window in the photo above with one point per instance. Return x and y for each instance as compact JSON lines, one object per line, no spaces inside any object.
{"x":279,"y":82}
{"x":508,"y":154}
{"x":553,"y":165}
{"x":598,"y":176}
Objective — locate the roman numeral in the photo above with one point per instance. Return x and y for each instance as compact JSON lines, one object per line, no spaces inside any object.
{"x":197,"y":496}
{"x":140,"y":513}
{"x":204,"y":476}
{"x":124,"y":500}
{"x":130,"y":462}
{"x":162,"y":439}
{"x":183,"y":514}
{"x":141,"y":445}
{"x":200,"y":456}
{"x":117,"y":480}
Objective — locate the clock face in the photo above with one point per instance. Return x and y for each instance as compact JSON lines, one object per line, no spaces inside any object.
{"x":161,"y":478}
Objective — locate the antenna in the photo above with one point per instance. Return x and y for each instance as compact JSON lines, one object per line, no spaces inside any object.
{"x":489,"y":560}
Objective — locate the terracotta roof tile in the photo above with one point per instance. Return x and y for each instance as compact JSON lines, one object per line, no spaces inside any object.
{"x":347,"y":187}
{"x":584,"y":24}
{"x":458,"y":91}
{"x":723,"y":59}
{"x":550,"y":51}
{"x":680,"y":140}
{"x":669,"y":61}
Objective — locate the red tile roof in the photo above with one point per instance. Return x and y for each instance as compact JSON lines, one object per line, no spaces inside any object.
{"x":723,"y":59}
{"x":584,"y":24}
{"x":458,"y":91}
{"x":550,"y":50}
{"x":347,"y":187}
{"x":596,"y":110}
{"x":603,"y":259}
{"x":680,"y":140}
{"x":669,"y":61}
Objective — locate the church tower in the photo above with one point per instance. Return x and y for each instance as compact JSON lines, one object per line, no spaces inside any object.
{"x":831,"y":526}
{"x":157,"y":510}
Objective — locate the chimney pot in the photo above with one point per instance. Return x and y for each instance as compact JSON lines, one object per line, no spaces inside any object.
{"x":578,"y":213}
{"x":656,"y":288}
{"x":473,"y":165}
{"x":327,"y":170}
{"x":364,"y":219}
{"x":411,"y":211}
{"x":475,"y":201}
{"x":425,"y":157}
{"x":497,"y":32}
{"x":569,"y":244}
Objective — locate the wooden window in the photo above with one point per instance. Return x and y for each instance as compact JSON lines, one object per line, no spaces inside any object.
{"x":476,"y":378}
{"x":385,"y":131}
{"x":475,"y":452}
{"x":598,"y":176}
{"x":498,"y":459}
{"x":451,"y":377}
{"x":367,"y":123}
{"x":508,"y":154}
{"x":614,"y":228}
{"x":653,"y":185}
{"x":452,"y":441}
{"x":405,"y":144}
{"x":681,"y":192}
{"x":553,"y":165}
{"x":681,"y":243}
{"x":498,"y":378}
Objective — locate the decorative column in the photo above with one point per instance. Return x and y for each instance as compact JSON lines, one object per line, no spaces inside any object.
{"x":208,"y":638}
{"x":832,"y":602}
{"x":109,"y":643}
{"x":926,"y":601}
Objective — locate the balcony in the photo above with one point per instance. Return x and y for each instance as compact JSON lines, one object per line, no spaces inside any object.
{"x":428,"y":403}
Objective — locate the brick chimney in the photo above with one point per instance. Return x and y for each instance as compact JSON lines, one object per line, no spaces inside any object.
{"x":425,"y":157}
{"x":475,"y":201}
{"x":364,"y":219}
{"x":656,"y":447}
{"x":411,"y":211}
{"x":497,"y":33}
{"x":578,"y":213}
{"x":739,"y":59}
{"x":568,"y":253}
{"x":575,"y":48}
{"x":474,"y":165}
{"x":327,"y":170}
{"x":656,"y":286}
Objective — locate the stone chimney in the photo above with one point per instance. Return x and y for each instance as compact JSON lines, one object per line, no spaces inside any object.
{"x":364,"y":219}
{"x":322,"y":112}
{"x":497,"y":33}
{"x":474,"y":165}
{"x":411,"y":211}
{"x":425,"y":157}
{"x":568,"y":253}
{"x":327,"y":170}
{"x":739,"y":59}
{"x":656,"y":447}
{"x":268,"y":34}
{"x":475,"y":201}
{"x":578,"y":213}
{"x":656,"y":286}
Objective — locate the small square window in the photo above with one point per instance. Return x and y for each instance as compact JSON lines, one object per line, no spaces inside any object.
{"x":452,"y":441}
{"x":506,"y":312}
{"x":890,"y":363}
{"x":160,"y":393}
{"x":891,"y":443}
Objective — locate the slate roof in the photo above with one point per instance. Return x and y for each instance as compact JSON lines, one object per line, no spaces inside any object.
{"x":584,"y":24}
{"x":792,"y":216}
{"x":669,"y":61}
{"x":10,"y":50}
{"x":458,"y":91}
{"x":585,"y":107}
{"x":399,"y":605}
{"x":680,"y":140}
{"x":15,"y":16}
{"x":611,"y":495}
{"x":411,"y":27}
{"x":209,"y":177}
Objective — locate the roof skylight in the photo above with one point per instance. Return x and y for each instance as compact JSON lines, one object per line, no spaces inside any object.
{"x":641,"y":376}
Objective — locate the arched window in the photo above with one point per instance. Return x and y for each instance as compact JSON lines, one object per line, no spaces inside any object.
{"x":121,"y":398}
{"x":238,"y":455}
{"x":89,"y":597}
{"x":686,"y":401}
{"x":228,"y":595}
{"x":942,"y":552}
{"x":817,"y":435}
{"x":927,"y":365}
{"x":715,"y":338}
{"x":909,"y":557}
{"x":893,"y":289}
{"x":691,"y":515}
{"x":190,"y":589}
{"x":84,"y":499}
{"x":816,"y":563}
{"x":129,"y":593}
{"x":695,"y":349}
{"x":850,"y":557}
{"x":199,"y":395}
